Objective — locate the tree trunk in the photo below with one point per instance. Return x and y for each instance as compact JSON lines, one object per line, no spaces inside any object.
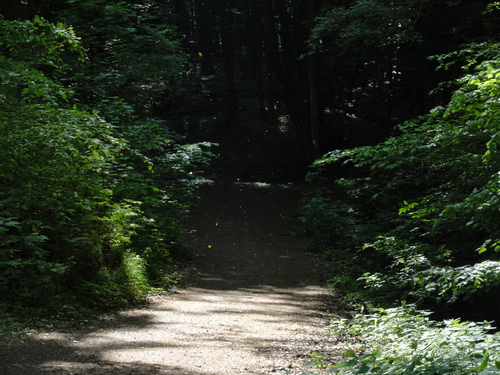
{"x":313,"y":89}
{"x":204,"y":16}
{"x":228,"y":51}
{"x":183,"y":23}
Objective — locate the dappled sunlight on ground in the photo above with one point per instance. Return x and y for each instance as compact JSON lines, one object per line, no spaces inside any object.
{"x":213,"y":331}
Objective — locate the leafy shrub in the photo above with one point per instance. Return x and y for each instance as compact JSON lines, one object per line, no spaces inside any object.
{"x":89,"y":215}
{"x":426,"y":199}
{"x":424,"y":282}
{"x":404,"y":340}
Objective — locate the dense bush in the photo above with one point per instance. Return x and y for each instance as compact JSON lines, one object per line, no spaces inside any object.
{"x":424,"y":204}
{"x":91,"y":209}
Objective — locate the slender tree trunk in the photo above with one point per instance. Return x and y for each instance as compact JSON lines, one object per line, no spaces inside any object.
{"x":313,"y":88}
{"x":253,"y":41}
{"x":204,"y":35}
{"x":183,"y":22}
{"x":292,"y":73}
{"x":271,"y":50}
{"x":228,"y":51}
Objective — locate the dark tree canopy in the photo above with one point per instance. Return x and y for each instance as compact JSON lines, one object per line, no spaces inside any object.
{"x":333,"y":74}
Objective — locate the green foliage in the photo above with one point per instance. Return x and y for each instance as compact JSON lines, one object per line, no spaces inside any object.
{"x":365,"y":50}
{"x":91,"y":206}
{"x":419,"y":278}
{"x":32,"y":58}
{"x":164,"y":180}
{"x":59,"y":166}
{"x":130,"y":55}
{"x":39,"y":43}
{"x":441,"y":171}
{"x":368,"y":23}
{"x":405,"y":341}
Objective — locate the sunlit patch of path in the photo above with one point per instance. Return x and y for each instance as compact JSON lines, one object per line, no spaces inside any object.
{"x":213,"y":331}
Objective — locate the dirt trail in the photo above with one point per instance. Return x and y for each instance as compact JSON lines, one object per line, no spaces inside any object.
{"x":254,"y":306}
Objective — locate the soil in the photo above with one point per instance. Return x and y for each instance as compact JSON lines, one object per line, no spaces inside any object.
{"x":253,"y":303}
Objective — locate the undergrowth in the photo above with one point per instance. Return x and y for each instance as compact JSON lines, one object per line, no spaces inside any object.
{"x":404,"y":340}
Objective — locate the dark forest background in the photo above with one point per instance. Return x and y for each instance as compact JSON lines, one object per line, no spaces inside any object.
{"x":270,"y":79}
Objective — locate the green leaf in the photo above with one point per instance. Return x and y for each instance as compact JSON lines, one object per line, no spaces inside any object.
{"x":363,"y":369}
{"x":311,"y":364}
{"x":483,"y":365}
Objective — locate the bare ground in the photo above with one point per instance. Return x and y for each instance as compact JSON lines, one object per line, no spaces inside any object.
{"x":254,"y":304}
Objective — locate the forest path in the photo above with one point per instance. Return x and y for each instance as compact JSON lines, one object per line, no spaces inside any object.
{"x":255,"y":305}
